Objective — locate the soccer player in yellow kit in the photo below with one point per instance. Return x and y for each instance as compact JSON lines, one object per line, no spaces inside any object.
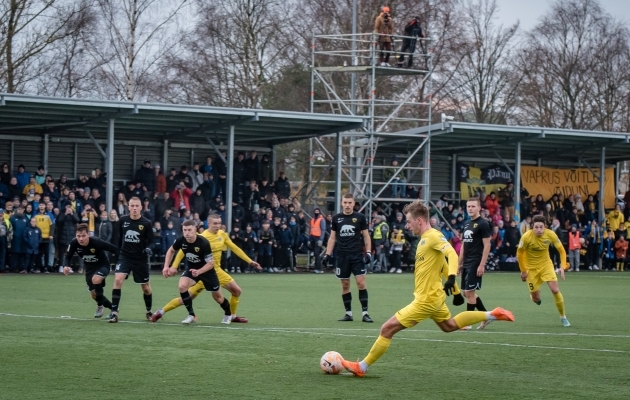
{"x":430,"y":295}
{"x":536,"y":265}
{"x":219,"y":241}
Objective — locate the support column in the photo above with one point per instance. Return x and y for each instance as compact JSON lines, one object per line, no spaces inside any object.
{"x":45,"y":157}
{"x":426,"y":178}
{"x":109,"y":198}
{"x":602,"y":180}
{"x":517,"y":184}
{"x":230,"y":180}
{"x":453,"y":175}
{"x":274,"y":167}
{"x":339,"y":156}
{"x":192,"y":158}
{"x":165,"y":157}
{"x":135,"y":158}
{"x":12,"y":157}
{"x":75,"y":164}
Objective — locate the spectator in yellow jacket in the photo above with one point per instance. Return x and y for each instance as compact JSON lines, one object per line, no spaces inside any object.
{"x":32,"y":188}
{"x":615,"y":218}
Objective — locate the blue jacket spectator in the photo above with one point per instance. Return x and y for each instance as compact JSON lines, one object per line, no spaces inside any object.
{"x":32,"y":238}
{"x":19,"y":222}
{"x":168,"y":237}
{"x":23,"y":177}
{"x":285,"y":236}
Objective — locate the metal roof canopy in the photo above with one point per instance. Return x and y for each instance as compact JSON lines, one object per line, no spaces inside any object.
{"x":490,"y":141}
{"x":504,"y":142}
{"x":28,"y":115}
{"x":183,"y":123}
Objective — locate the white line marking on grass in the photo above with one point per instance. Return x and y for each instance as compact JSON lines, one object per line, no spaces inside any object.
{"x":318,"y":332}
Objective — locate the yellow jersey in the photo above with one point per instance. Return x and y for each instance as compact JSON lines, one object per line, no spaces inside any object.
{"x":432,"y":253}
{"x":219,"y":242}
{"x":44,"y":223}
{"x":533,"y":251}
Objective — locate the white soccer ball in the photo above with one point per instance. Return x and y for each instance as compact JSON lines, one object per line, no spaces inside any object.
{"x":330,"y":363}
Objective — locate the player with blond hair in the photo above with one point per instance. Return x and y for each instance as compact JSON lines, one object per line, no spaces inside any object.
{"x":430,"y":295}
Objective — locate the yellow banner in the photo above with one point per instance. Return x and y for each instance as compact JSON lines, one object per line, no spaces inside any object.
{"x":550,"y":181}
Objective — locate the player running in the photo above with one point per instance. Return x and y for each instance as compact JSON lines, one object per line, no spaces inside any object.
{"x":473,"y":256}
{"x":136,"y":235}
{"x":218,"y":241}
{"x":93,"y":252}
{"x":349,"y":228}
{"x":536,"y":265}
{"x":200,"y":268}
{"x":430,"y":296}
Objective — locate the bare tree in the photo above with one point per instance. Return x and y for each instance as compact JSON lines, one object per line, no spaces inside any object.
{"x":28,"y":29}
{"x":137,"y":35}
{"x":573,"y":68}
{"x":483,"y":86}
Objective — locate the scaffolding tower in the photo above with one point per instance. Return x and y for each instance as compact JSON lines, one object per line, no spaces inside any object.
{"x":357,"y":56}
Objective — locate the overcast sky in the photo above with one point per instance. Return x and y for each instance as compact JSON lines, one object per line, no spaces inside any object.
{"x":529,"y":11}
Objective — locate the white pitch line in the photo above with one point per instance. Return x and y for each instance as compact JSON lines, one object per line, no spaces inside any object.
{"x":284,"y":330}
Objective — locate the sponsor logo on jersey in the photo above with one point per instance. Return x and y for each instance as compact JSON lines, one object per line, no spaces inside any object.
{"x":422,"y":242}
{"x":192,"y":258}
{"x":132,"y":237}
{"x":90,"y":259}
{"x":346,"y":230}
{"x":339,"y":220}
{"x":125,"y":224}
{"x":468,"y":236}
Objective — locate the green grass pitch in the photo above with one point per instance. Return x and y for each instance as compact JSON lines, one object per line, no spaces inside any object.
{"x":51,"y":347}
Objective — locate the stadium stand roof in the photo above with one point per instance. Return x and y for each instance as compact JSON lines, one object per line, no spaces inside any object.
{"x":24,"y":114}
{"x":493,"y":141}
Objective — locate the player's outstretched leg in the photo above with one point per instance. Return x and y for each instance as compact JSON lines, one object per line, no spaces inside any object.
{"x":467,"y":318}
{"x":559,"y":300}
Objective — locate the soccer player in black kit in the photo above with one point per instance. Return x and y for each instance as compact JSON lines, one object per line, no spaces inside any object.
{"x":473,"y":256}
{"x":136,"y":235}
{"x":350,"y":229}
{"x":200,"y":267}
{"x":93,"y":252}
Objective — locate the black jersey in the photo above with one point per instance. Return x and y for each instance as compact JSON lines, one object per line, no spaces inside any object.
{"x":474,"y":232}
{"x":348,"y":228}
{"x":197,"y":253}
{"x":135,"y":236}
{"x":266,"y":236}
{"x":94,"y":255}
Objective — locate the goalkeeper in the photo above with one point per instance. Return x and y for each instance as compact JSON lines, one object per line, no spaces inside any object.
{"x":536,"y":265}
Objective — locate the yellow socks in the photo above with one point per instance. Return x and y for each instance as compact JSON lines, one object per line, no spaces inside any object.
{"x":378,"y":349}
{"x":619,"y":266}
{"x":470,"y":318}
{"x":233,"y":304}
{"x":173,"y":304}
{"x":559,"y":303}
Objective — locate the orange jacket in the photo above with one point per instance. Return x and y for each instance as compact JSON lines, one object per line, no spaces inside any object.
{"x":621,"y":246}
{"x":574,"y":241}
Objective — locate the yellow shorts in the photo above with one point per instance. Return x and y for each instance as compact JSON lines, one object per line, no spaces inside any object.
{"x":224,"y":279}
{"x":417,"y":312}
{"x":535,"y":278}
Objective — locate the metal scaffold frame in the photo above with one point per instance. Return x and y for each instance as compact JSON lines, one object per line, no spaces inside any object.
{"x":337,"y":56}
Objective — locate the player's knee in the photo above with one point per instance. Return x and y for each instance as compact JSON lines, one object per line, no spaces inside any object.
{"x":182,"y":288}
{"x":218,"y":296}
{"x":234,"y":290}
{"x":93,"y":294}
{"x":146,"y":289}
{"x":555,"y":290}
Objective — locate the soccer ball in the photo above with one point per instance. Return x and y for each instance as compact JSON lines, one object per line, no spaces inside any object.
{"x":330,"y":363}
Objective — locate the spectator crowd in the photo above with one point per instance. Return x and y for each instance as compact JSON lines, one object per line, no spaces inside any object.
{"x":38,"y":216}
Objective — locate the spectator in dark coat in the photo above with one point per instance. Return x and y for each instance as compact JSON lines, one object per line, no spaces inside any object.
{"x":148,"y":210}
{"x":198,"y":202}
{"x":163,"y":203}
{"x":238,"y":214}
{"x":66,"y":226}
{"x":5,"y":173}
{"x":252,"y":168}
{"x":266,"y":169}
{"x":209,"y":187}
{"x":146,"y":176}
{"x":169,"y":235}
{"x":4,"y":194}
{"x":14,"y":188}
{"x":23,"y":177}
{"x":103,"y":228}
{"x":221,"y":172}
{"x":19,"y":223}
{"x":283,"y":186}
{"x":251,"y":195}
{"x":184,"y":177}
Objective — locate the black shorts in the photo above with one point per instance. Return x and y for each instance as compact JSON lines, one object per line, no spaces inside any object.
{"x":210,"y":279}
{"x":100,"y":271}
{"x":139,"y":269}
{"x":470,"y":280}
{"x":347,"y":264}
